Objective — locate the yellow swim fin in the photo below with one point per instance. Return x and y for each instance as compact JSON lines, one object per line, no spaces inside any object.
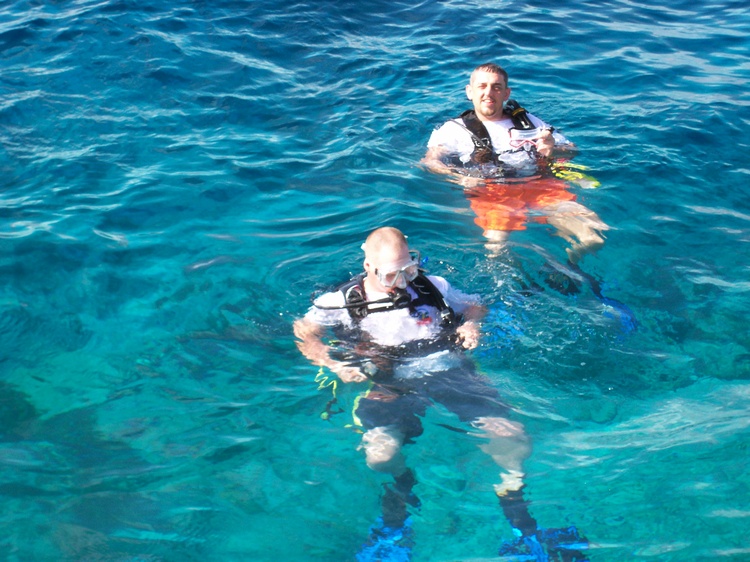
{"x":574,"y":174}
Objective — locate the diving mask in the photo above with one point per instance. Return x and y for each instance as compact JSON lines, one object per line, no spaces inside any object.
{"x":402,"y":276}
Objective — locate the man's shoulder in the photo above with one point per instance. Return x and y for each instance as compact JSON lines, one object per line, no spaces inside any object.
{"x":538,"y":121}
{"x":440,"y":283}
{"x":457,"y":298}
{"x":330,"y":298}
{"x":449,"y":133}
{"x":453,"y":124}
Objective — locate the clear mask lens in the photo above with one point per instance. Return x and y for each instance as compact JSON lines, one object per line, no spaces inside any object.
{"x":525,"y":135}
{"x":399,"y":278}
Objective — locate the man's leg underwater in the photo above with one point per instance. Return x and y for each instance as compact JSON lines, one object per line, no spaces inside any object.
{"x":499,"y":210}
{"x":391,"y":536}
{"x":509,"y":446}
{"x":580,"y":226}
{"x":382,"y":447}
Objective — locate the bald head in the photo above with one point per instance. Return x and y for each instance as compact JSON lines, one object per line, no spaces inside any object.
{"x":386,"y":240}
{"x":386,"y":250}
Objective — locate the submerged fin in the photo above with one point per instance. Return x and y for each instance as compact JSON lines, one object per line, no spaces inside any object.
{"x":623,"y":313}
{"x":568,"y":279}
{"x":390,"y":537}
{"x":547,"y":545}
{"x":387,"y":544}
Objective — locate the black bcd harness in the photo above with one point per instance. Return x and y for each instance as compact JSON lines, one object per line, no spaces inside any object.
{"x":427,"y":294}
{"x":359,"y":307}
{"x":483,"y":153}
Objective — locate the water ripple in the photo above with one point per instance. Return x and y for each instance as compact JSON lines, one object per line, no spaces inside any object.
{"x":179,"y":178}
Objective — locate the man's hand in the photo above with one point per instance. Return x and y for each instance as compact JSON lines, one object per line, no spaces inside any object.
{"x":468,"y":334}
{"x":468,"y":182}
{"x":312,"y":346}
{"x":545,"y":144}
{"x":433,"y":161}
{"x":347,"y":373}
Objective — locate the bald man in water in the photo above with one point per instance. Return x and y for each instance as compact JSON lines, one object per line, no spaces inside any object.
{"x":407,"y":333}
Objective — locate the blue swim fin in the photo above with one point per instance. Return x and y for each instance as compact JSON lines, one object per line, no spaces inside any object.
{"x":390,"y":537}
{"x":568,"y":279}
{"x":387,"y":544}
{"x":546,"y":545}
{"x":621,"y":311}
{"x":533,"y":543}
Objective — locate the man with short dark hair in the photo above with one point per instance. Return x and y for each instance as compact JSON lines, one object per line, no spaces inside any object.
{"x":502,"y":154}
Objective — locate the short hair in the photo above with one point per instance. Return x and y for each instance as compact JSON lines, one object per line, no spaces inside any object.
{"x":385,"y":236}
{"x":490,"y":67}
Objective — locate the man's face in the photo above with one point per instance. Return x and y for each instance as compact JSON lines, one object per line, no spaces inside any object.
{"x":389,"y":259}
{"x":488,"y":92}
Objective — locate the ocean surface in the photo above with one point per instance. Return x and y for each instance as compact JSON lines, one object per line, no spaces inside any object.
{"x":177,"y":179}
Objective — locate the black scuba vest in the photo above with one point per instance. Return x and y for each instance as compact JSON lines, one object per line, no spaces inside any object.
{"x":427,"y":294}
{"x":483,"y":151}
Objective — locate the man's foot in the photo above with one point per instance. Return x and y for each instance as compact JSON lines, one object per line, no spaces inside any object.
{"x":560,"y":281}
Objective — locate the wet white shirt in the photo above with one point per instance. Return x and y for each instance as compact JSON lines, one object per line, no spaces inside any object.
{"x":453,"y":138}
{"x":398,"y":326}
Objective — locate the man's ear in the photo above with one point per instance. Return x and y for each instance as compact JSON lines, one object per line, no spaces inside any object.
{"x":468,"y":91}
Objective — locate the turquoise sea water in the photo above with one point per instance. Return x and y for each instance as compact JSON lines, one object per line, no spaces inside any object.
{"x":177,"y":178}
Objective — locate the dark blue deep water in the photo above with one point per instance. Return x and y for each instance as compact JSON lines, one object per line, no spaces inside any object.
{"x":177,"y":178}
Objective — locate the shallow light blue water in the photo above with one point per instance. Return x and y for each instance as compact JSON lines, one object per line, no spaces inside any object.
{"x":178,"y":178}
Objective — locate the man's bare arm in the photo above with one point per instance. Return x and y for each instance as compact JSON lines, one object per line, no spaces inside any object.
{"x":311,"y":345}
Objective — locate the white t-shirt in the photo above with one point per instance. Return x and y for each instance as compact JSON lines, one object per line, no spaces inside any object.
{"x":455,"y":140}
{"x":397,"y":326}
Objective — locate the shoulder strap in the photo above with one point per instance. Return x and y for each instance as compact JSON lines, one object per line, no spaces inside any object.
{"x":429,"y":294}
{"x":518,"y":115}
{"x":354,"y":293}
{"x":479,"y":136}
{"x":356,"y":302}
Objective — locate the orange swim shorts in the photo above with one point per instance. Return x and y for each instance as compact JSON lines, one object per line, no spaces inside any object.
{"x":505,"y":206}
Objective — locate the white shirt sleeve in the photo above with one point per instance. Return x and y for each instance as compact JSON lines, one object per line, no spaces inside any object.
{"x":329,"y":317}
{"x":456,"y":299}
{"x":452,"y":138}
